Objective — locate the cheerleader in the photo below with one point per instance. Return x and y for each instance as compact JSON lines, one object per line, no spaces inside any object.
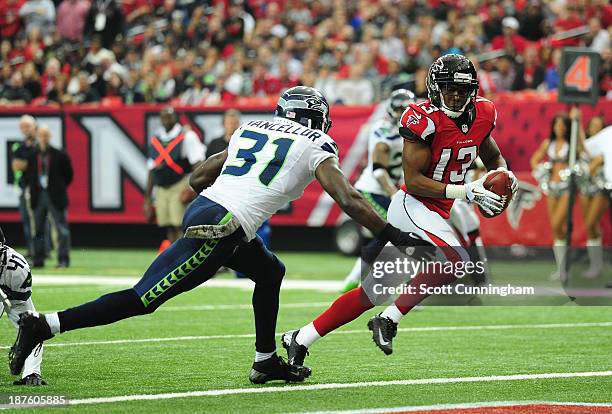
{"x":595,"y":202}
{"x":548,"y":164}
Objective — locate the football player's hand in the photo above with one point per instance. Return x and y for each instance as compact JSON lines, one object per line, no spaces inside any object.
{"x":489,"y":201}
{"x":513,"y":180}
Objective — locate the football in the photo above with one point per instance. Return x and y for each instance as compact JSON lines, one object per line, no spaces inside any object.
{"x":499,"y":183}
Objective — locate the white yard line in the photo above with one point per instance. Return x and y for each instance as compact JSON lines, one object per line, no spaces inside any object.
{"x":336,"y":386}
{"x":441,"y":407}
{"x":344,"y":332}
{"x":247,"y":284}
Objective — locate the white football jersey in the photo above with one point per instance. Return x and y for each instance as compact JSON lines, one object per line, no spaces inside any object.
{"x":269,"y":164}
{"x":385,"y":131}
{"x":15,"y":276}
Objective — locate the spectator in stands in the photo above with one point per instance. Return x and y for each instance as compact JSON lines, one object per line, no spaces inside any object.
{"x":58,"y":95}
{"x":39,"y":14}
{"x":531,"y":73}
{"x":9,"y":18}
{"x":510,"y":41}
{"x":49,"y":174}
{"x":173,"y":152}
{"x":97,"y":53}
{"x":552,"y":72}
{"x":231,"y":122}
{"x":31,"y":80}
{"x":71,"y":16}
{"x":598,"y":38}
{"x":16,"y":93}
{"x":505,"y":77}
{"x":532,"y":21}
{"x":104,"y":20}
{"x":356,"y":90}
{"x":85,"y":93}
{"x":195,"y":95}
{"x":131,"y":92}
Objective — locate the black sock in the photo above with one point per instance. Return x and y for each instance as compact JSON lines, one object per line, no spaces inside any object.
{"x":102,"y":311}
{"x":265,"y":308}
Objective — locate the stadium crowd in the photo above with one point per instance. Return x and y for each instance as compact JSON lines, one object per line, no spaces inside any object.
{"x":204,"y":52}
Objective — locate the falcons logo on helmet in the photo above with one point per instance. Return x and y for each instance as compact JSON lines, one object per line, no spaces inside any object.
{"x":525,"y":198}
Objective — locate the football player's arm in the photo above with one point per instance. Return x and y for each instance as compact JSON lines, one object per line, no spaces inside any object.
{"x":416,"y":157}
{"x":490,"y":155}
{"x":380,"y":163}
{"x":333,"y":181}
{"x":207,"y":172}
{"x":351,"y":201}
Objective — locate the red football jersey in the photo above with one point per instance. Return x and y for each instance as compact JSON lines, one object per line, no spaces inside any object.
{"x":453,"y":148}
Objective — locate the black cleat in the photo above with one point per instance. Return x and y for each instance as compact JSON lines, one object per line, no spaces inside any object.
{"x":32,"y":379}
{"x":33,"y":330}
{"x":275,"y":368}
{"x":383,"y":332}
{"x":295,"y":352}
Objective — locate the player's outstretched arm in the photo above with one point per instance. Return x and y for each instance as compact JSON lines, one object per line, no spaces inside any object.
{"x":334,"y":182}
{"x":207,"y":172}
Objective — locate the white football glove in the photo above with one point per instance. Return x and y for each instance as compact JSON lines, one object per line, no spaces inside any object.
{"x":490,"y":202}
{"x":513,"y":180}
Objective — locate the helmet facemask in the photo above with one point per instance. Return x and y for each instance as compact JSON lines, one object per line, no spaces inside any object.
{"x":455,"y":97}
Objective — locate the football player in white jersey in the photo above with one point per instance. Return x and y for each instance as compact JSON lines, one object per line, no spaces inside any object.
{"x":16,"y":295}
{"x":379,"y":181}
{"x":267,"y":164}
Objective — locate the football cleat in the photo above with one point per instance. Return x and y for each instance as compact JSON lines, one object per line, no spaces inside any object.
{"x":32,"y":379}
{"x":295,"y":352}
{"x":275,"y":368}
{"x":33,"y":330}
{"x":383,"y":332}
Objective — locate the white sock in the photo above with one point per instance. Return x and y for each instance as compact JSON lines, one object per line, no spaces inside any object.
{"x":393,"y":313}
{"x":595,"y":252}
{"x":559,"y":252}
{"x":262,"y":356}
{"x":307,"y":335}
{"x":53,"y":322}
{"x":355,"y":274}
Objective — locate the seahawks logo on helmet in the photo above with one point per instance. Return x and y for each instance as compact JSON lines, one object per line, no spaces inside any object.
{"x":306,"y":106}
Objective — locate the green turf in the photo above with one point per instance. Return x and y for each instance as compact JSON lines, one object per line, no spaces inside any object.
{"x":87,"y":371}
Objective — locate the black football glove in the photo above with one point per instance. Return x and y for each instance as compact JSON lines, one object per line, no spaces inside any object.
{"x":409,"y":243}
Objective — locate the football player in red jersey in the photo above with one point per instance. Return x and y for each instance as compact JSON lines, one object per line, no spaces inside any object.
{"x":442,"y":138}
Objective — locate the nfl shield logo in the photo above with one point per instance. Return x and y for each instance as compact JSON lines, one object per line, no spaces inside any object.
{"x":464,"y":128}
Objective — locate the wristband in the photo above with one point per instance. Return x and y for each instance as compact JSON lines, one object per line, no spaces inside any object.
{"x":456,"y":191}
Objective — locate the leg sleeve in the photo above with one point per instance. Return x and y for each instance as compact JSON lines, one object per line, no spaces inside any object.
{"x":267,"y":271}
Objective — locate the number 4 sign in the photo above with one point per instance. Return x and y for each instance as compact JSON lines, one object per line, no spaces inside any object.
{"x":579,"y":76}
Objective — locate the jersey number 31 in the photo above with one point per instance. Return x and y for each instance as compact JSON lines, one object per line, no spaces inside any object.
{"x":248,"y":155}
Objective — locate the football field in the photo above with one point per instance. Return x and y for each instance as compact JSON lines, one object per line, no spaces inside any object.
{"x":195,"y":352}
